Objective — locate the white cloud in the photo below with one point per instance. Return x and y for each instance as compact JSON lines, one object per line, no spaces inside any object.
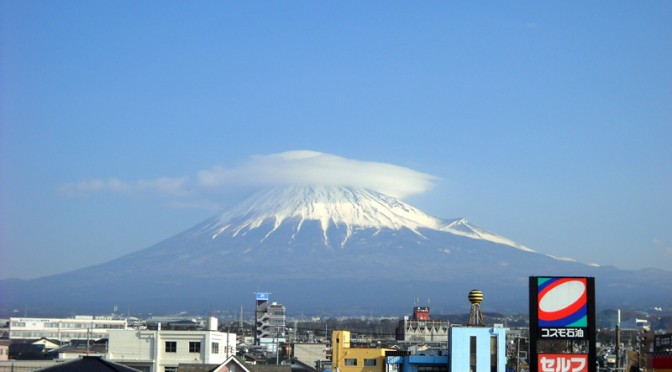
{"x":287,"y":168}
{"x":162,"y":185}
{"x":310,"y":167}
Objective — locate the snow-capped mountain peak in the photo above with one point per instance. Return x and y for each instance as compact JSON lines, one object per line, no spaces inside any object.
{"x":346,"y":207}
{"x":343,"y":206}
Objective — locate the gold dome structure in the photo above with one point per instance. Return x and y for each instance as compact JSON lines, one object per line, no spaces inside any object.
{"x":475,"y":296}
{"x":475,"y":314}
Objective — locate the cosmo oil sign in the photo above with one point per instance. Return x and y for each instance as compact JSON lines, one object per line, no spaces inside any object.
{"x":562,"y":309}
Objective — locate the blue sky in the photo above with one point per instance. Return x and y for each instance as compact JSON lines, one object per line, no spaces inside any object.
{"x":548,"y":123}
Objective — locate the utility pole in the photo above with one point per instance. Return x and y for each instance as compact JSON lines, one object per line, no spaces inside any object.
{"x":88,"y":336}
{"x":518,"y":353}
{"x":618,"y":340}
{"x":277,"y":345}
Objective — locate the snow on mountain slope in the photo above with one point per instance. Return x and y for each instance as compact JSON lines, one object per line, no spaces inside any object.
{"x":345,"y":207}
{"x":462,"y":227}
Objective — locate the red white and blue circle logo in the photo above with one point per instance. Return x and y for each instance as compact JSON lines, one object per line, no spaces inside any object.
{"x":562,"y":302}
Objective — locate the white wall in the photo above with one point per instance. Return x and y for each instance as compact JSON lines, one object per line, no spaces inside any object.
{"x":62,"y":329}
{"x":150,"y":346}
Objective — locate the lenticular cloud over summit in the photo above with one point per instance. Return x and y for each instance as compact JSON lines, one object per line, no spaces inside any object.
{"x":316,"y":168}
{"x":291,"y":168}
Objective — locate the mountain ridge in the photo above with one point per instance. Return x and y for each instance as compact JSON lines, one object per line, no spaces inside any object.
{"x":352,"y":207}
{"x":375,"y":251}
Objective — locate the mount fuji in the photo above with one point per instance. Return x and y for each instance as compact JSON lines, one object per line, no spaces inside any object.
{"x":326,"y":249}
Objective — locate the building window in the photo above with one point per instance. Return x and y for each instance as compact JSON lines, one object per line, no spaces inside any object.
{"x":350,"y":362}
{"x":215,"y":347}
{"x":169,"y":369}
{"x":472,"y":353}
{"x":171,"y":347}
{"x":493,"y":354}
{"x":432,"y":368}
{"x":194,"y":347}
{"x":369,"y":362}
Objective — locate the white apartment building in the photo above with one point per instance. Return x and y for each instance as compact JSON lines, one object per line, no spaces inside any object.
{"x":163,"y":350}
{"x":81,"y":327}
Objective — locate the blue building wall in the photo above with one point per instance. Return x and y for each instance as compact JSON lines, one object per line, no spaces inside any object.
{"x":459,"y":348}
{"x":457,"y":356}
{"x":410,"y":363}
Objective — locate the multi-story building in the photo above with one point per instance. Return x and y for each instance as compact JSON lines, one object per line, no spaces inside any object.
{"x":661,"y":357}
{"x":345,"y":358}
{"x":81,"y":327}
{"x":164,"y":350}
{"x":270,"y":323}
{"x":260,"y":312}
{"x":477,"y":349}
{"x":421,"y":329}
{"x":433,"y":360}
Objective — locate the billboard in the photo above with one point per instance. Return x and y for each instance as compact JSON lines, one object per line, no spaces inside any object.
{"x":562,"y":309}
{"x":563,"y":362}
{"x":262,"y":296}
